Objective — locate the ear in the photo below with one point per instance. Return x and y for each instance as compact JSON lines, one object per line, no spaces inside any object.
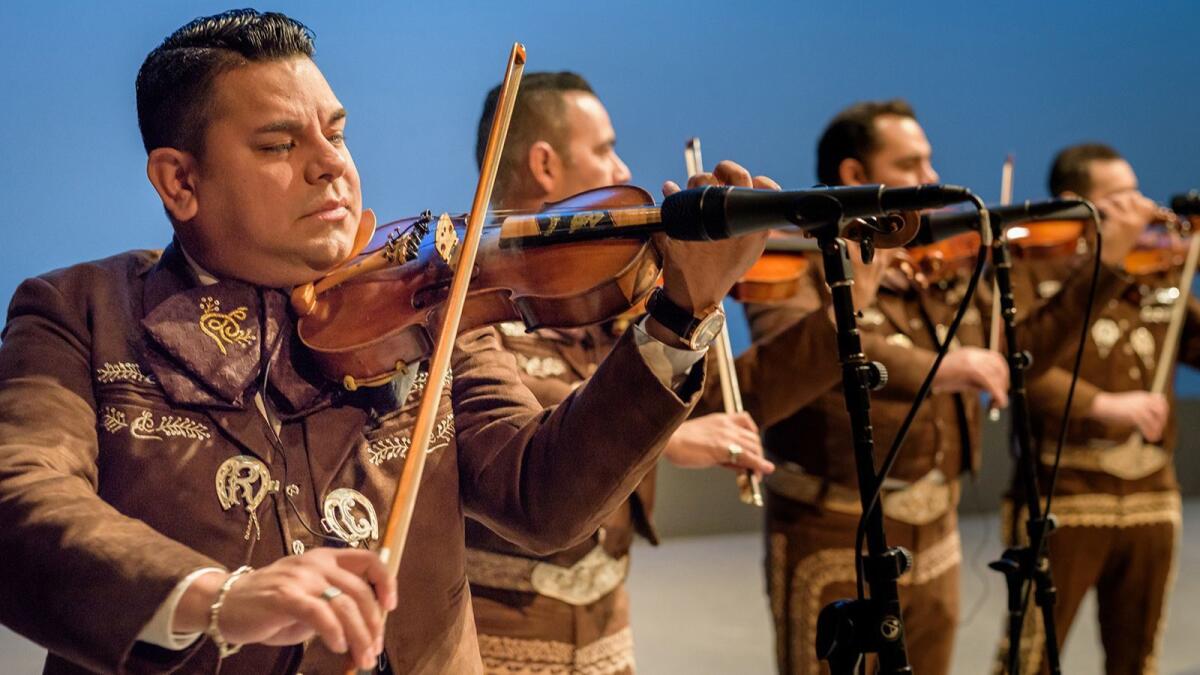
{"x":172,"y":172}
{"x":852,"y":172}
{"x":545,"y":166}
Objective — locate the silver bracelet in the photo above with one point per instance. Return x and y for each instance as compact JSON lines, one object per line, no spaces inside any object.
{"x":224,"y":649}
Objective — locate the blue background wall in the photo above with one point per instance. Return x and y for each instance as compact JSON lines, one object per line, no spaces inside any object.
{"x":756,"y":81}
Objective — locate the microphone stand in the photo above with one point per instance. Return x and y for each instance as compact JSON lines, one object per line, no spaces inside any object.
{"x":849,"y":629}
{"x":1023,"y":565}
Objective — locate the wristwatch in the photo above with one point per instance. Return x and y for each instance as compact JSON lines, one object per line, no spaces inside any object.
{"x":697,"y":332}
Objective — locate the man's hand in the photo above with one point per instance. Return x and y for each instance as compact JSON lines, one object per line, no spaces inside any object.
{"x":971,"y":369}
{"x":697,"y":275}
{"x":282,"y":603}
{"x":1126,"y":215}
{"x":1138,"y":409}
{"x":704,"y":442}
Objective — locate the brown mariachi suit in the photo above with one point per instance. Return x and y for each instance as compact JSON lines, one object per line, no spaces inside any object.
{"x":812,"y":499}
{"x":1118,"y":513}
{"x":528,"y":619}
{"x":125,"y":388}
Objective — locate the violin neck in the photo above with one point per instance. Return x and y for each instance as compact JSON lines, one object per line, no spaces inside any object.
{"x":556,"y":228}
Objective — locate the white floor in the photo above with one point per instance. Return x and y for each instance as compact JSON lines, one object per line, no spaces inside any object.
{"x":699,"y":608}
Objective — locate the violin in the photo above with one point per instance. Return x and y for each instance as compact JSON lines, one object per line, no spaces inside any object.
{"x":940,"y":261}
{"x":778,"y":274}
{"x":1160,"y":248}
{"x":366,"y":328}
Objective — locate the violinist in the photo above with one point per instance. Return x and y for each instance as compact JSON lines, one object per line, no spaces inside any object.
{"x":813,"y":502}
{"x":1117,"y":504}
{"x":561,"y":142}
{"x":181,"y":490}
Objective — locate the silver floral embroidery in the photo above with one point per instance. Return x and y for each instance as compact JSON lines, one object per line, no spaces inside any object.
{"x":122,"y":371}
{"x":384,"y":449}
{"x":419,"y":382}
{"x":541,"y":367}
{"x":114,"y":420}
{"x":145,"y":427}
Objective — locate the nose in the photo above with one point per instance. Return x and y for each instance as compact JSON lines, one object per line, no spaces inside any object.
{"x":621,"y":173}
{"x":328,"y":163}
{"x":928,"y":175}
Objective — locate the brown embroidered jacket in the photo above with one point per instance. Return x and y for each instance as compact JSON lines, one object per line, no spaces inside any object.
{"x":131,"y":449}
{"x":901,"y":331}
{"x":1124,"y":345}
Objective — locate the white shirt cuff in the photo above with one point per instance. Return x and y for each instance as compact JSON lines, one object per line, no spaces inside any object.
{"x":669,"y":364}
{"x":159,"y":631}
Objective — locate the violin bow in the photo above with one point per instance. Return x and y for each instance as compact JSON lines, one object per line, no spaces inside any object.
{"x":395,"y":533}
{"x":749,"y":488}
{"x":1006,"y":189}
{"x":1166,"y":361}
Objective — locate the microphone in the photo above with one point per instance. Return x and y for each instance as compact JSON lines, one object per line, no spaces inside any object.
{"x":712,"y":213}
{"x":938,"y":226}
{"x":1187,"y":204}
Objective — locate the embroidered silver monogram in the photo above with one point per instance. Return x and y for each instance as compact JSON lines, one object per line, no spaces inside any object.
{"x":1142,"y":341}
{"x":246,"y":481}
{"x":1105,"y":334}
{"x":342,"y":508}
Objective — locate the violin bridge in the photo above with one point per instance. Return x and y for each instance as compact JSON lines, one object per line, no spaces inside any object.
{"x":445,"y":239}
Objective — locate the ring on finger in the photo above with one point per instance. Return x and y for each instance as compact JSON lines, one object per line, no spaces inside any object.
{"x":330,"y":593}
{"x":735,"y":451}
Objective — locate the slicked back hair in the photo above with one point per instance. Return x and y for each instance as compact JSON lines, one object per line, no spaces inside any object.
{"x":1071,"y":170}
{"x":538,"y":114}
{"x":175,"y":81}
{"x":852,"y":135}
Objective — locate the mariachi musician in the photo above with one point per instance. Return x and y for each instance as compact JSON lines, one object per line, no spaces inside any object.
{"x":180,"y":487}
{"x":1116,"y":499}
{"x":813,"y":503}
{"x":568,"y":612}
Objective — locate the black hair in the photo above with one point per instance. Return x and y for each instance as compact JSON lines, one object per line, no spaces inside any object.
{"x":1071,"y":169}
{"x":174,"y":82}
{"x":538,"y":114}
{"x":852,"y":135}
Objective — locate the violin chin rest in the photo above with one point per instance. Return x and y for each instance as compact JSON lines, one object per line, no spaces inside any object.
{"x":304,"y":299}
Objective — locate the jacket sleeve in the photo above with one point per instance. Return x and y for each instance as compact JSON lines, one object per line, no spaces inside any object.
{"x":783,"y":372}
{"x":76,"y":575}
{"x":1189,"y":345}
{"x":546,"y":478}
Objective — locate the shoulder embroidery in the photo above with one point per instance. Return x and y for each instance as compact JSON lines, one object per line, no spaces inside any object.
{"x":391,"y":447}
{"x":224,"y":328}
{"x":122,"y":371}
{"x":541,"y":366}
{"x":418,"y":385}
{"x":145,"y":427}
{"x":513,"y":329}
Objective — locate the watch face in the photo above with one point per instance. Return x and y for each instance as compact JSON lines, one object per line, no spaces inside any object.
{"x":708,"y":330}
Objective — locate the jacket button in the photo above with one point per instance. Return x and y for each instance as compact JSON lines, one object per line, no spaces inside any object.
{"x":297,"y":547}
